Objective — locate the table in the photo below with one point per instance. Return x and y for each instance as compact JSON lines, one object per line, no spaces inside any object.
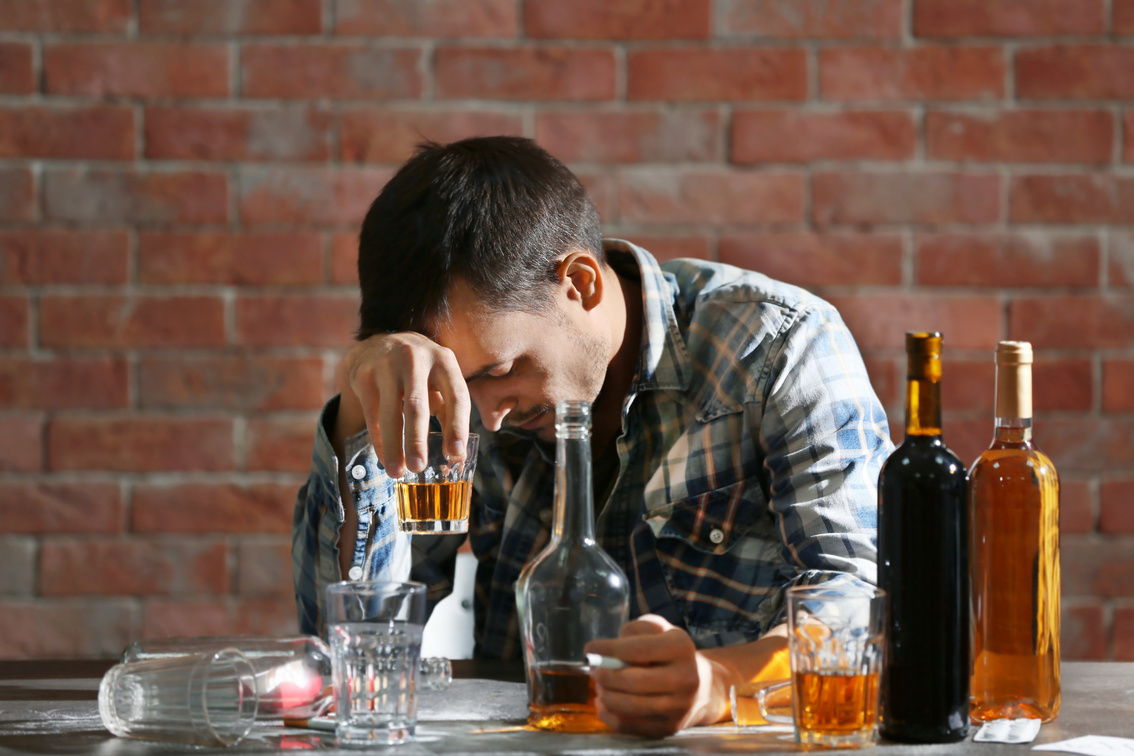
{"x":50,"y":707}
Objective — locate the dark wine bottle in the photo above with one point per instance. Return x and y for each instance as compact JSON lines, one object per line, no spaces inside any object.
{"x":923,"y":542}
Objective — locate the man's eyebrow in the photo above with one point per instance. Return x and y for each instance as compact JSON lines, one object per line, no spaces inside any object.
{"x":480,"y":373}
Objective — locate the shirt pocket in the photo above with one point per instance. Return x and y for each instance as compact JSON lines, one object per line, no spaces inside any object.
{"x":720,"y":557}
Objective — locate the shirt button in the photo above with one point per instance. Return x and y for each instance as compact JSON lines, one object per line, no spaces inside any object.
{"x":355,"y":573}
{"x":358,"y":472}
{"x":716,"y":535}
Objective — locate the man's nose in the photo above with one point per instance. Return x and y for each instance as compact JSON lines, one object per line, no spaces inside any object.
{"x":493,"y":411}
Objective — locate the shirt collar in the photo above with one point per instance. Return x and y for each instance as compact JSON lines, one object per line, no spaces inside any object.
{"x":663,"y":362}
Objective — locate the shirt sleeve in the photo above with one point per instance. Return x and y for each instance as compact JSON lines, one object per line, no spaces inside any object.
{"x":382,"y":551}
{"x":825,"y":436}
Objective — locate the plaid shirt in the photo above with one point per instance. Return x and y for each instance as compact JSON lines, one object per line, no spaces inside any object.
{"x":748,"y":463}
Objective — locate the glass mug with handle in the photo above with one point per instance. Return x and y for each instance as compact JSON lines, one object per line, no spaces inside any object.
{"x":835,"y":634}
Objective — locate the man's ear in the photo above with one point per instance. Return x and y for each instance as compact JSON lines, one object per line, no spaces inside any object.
{"x":582,"y":275}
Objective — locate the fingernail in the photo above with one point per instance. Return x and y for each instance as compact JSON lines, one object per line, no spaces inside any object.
{"x":415,"y":463}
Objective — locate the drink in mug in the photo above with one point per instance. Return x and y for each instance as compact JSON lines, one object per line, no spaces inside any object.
{"x":563,"y":699}
{"x":420,"y":504}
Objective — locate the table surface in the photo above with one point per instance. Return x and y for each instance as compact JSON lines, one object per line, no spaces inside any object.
{"x":50,"y":707}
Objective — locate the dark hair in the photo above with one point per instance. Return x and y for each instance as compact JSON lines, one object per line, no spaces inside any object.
{"x":496,"y":212}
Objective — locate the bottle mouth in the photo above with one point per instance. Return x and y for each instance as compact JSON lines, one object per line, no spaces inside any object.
{"x":572,"y":416}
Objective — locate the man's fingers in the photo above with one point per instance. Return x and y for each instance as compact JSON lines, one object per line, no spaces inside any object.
{"x":447,"y":381}
{"x":390,"y":427}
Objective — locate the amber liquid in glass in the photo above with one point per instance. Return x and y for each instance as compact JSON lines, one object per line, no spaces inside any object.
{"x":426,"y":502}
{"x":1014,"y":491}
{"x":834,"y":703}
{"x":563,"y":699}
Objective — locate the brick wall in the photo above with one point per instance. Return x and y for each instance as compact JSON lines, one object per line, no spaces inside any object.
{"x":180,"y":184}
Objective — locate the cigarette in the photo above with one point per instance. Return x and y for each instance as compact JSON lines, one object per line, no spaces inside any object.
{"x":315,"y":723}
{"x":598,"y":661}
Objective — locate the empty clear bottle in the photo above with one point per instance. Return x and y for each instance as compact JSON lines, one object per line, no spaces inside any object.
{"x":571,"y":593}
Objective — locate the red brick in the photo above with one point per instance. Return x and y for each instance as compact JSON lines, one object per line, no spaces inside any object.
{"x":390,"y":135}
{"x":17,"y":75}
{"x":1062,"y":384}
{"x":344,"y":259}
{"x":1073,"y":322}
{"x":37,"y":257}
{"x":667,"y":247}
{"x":1123,"y":16}
{"x":281,"y":444}
{"x":219,"y":617}
{"x":1083,"y":636}
{"x":1076,"y":512}
{"x":15,"y":313}
{"x":296,"y":320}
{"x":1123,"y":631}
{"x":51,"y":508}
{"x":264,"y":567}
{"x":881,"y":320}
{"x":1128,"y":137}
{"x":116,"y":566}
{"x":21,"y":443}
{"x":925,"y":198}
{"x":309,"y":196}
{"x":1096,"y":72}
{"x":1007,"y":260}
{"x":67,"y":16}
{"x":17,"y":566}
{"x":136,"y":69}
{"x":811,"y":19}
{"x":242,"y":383}
{"x":66,"y":629}
{"x":808,"y":259}
{"x":888,"y":381}
{"x":629,"y":19}
{"x":1008,"y":18}
{"x":105,"y":196}
{"x":790,"y":136}
{"x":630,"y":136}
{"x":1092,"y":567}
{"x":736,"y":197}
{"x":920,"y":73}
{"x":338,"y":71}
{"x":244,"y":259}
{"x":1116,"y":506}
{"x":213,"y":508}
{"x":99,"y":132}
{"x":526,"y":73}
{"x":117,"y":321}
{"x":1021,"y":136}
{"x":17,"y":195}
{"x":427,"y":18}
{"x":969,"y":385}
{"x":64,"y":382}
{"x":1089,"y":444}
{"x":230,"y":17}
{"x":601,"y":189}
{"x":245,"y":134}
{"x":1121,"y":269}
{"x":1078,"y":198}
{"x":1118,"y":385}
{"x":718,"y":74}
{"x":139,"y":444}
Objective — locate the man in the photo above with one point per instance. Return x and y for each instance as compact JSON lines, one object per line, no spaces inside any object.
{"x":736,"y":438}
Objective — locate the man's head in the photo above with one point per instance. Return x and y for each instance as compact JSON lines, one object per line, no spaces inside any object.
{"x":496,"y":213}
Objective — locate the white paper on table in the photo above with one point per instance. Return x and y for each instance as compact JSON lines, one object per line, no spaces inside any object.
{"x":1092,"y":745}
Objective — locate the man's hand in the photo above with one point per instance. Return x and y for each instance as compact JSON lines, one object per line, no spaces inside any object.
{"x":668,"y":686}
{"x":393,"y":383}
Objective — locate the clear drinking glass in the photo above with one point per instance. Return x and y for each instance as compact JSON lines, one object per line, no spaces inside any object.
{"x":375,"y":630}
{"x":205,"y":699}
{"x":835,"y":641}
{"x":436,"y":500}
{"x":293,"y":674}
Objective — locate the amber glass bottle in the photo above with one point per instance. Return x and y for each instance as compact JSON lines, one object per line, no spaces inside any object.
{"x":1014,"y":491}
{"x":923,"y":541}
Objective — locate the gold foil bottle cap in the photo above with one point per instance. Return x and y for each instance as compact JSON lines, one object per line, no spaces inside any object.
{"x":1014,"y":379}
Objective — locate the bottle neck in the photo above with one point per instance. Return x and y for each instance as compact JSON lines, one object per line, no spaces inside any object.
{"x":574,"y":497}
{"x":1013,"y":430}
{"x":1013,"y":402}
{"x":923,"y":406}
